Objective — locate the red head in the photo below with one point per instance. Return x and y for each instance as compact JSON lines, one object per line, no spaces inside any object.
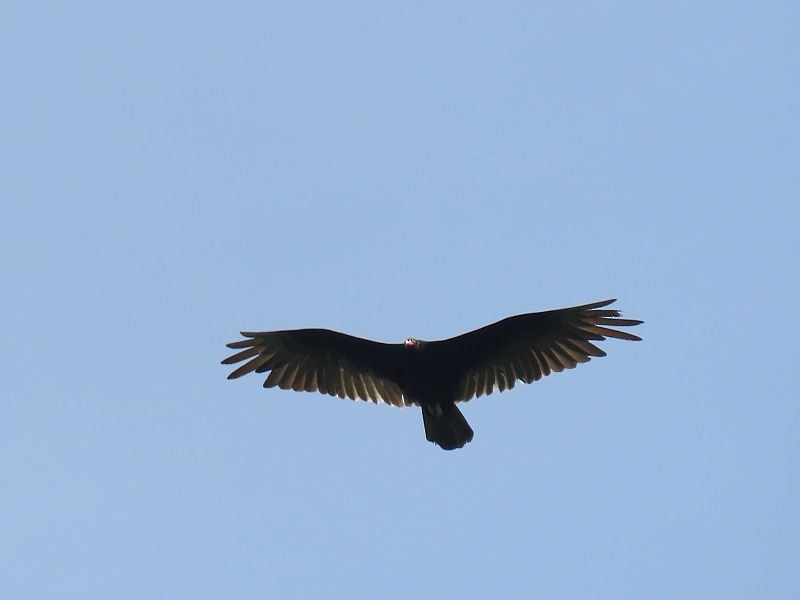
{"x":412,"y":343}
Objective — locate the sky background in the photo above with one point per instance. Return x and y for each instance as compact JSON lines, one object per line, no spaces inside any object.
{"x":172,"y":173}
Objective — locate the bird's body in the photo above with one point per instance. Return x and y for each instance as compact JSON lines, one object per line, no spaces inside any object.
{"x":433,"y":375}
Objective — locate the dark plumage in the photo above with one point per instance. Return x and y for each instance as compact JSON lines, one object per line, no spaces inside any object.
{"x":432,"y":375}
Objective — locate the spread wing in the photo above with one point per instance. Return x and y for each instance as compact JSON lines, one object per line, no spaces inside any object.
{"x":528,"y":347}
{"x":320,"y":360}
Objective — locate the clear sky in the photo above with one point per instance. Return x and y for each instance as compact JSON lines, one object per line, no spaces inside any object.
{"x":172,"y":173}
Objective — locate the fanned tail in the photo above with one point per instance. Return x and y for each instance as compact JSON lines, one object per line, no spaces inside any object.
{"x":446,"y":426}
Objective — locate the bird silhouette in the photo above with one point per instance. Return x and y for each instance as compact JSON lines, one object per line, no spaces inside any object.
{"x":433,"y":375}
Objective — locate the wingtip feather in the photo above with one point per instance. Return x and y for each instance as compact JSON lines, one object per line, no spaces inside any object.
{"x":600,"y":304}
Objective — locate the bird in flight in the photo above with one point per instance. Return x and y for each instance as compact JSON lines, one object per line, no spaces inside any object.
{"x":432,"y":375}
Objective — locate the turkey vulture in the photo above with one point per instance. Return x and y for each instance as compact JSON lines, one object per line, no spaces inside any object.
{"x":432,"y":375}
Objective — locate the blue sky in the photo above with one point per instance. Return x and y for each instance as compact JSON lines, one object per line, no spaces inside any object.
{"x":173,"y":173}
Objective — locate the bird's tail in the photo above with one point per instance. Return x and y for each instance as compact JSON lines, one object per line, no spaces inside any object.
{"x":446,"y":426}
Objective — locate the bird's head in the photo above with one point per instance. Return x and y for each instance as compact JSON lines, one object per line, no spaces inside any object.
{"x":413,"y":343}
